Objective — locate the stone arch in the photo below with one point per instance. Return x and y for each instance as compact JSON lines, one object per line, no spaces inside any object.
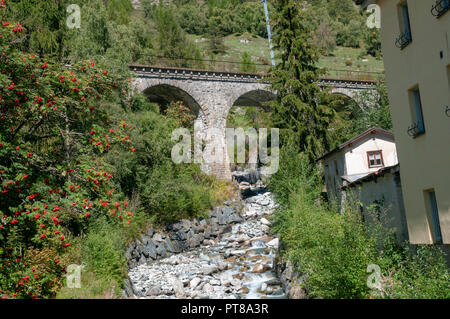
{"x":165,"y":93}
{"x":255,"y":98}
{"x":343,"y":91}
{"x":250,"y":95}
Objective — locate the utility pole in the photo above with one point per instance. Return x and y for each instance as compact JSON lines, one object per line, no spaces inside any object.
{"x":268,"y":32}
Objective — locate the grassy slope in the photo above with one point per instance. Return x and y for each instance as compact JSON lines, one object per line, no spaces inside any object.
{"x":258,"y":47}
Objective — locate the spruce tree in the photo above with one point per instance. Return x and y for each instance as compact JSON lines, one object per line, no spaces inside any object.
{"x":302,"y":111}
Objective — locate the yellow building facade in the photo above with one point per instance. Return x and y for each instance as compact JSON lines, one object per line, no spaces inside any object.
{"x":415,"y":38}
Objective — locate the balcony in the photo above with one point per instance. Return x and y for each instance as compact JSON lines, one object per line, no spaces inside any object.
{"x":440,"y":7}
{"x":415,"y":130}
{"x":403,"y":40}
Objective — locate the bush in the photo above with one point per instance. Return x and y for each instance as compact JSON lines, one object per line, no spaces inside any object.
{"x":333,"y":250}
{"x":102,"y":252}
{"x":330,"y":249}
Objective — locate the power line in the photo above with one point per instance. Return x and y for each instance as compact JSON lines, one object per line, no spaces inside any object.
{"x":203,"y":60}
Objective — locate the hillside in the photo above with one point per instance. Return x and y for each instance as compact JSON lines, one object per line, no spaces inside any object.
{"x":231,"y":35}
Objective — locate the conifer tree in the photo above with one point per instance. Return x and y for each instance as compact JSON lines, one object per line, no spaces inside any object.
{"x":302,"y":110}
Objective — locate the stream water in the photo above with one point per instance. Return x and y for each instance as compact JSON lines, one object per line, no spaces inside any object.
{"x":239,"y":264}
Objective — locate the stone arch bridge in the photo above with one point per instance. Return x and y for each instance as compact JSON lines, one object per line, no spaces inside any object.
{"x":211,"y":94}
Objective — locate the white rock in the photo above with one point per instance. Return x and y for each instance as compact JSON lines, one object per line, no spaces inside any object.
{"x":263,"y":287}
{"x":273,"y":243}
{"x":194,"y":282}
{"x":208,"y":288}
{"x":265,"y":221}
{"x":177,"y":287}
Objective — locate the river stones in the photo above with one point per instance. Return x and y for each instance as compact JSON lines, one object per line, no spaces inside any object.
{"x":238,"y":276}
{"x":259,"y":268}
{"x":194,"y":282}
{"x":153,"y":291}
{"x":273,"y":243}
{"x":209,"y":270}
{"x":244,"y":290}
{"x":211,"y":260}
{"x":149,"y":250}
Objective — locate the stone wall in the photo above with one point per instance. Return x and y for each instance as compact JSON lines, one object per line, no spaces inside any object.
{"x":181,"y":236}
{"x":292,"y":281}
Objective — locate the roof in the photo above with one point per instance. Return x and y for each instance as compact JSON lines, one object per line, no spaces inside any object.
{"x":363,"y":135}
{"x":373,"y":175}
{"x":354,"y":177}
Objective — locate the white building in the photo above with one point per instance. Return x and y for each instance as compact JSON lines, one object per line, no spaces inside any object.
{"x":358,"y":157}
{"x":365,"y":168}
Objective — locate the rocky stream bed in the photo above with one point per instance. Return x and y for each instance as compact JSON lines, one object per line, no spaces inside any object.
{"x":231,"y":256}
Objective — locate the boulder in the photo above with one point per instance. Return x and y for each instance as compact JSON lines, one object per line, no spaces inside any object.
{"x":178,"y":246}
{"x":153,"y":291}
{"x":259,"y":268}
{"x":209,"y":270}
{"x":274,"y":243}
{"x":161,"y":250}
{"x":296,"y":292}
{"x":195,"y":240}
{"x":194,"y":282}
{"x":158,"y":237}
{"x":169,"y":245}
{"x":149,"y":250}
{"x":178,"y":288}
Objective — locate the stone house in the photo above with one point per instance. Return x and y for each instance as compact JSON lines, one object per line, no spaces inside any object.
{"x":381,"y":199}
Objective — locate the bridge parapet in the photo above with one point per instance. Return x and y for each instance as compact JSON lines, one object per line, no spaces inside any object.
{"x":195,"y":74}
{"x":347,"y":83}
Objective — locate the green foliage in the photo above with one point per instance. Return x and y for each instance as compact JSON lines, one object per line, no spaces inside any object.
{"x":68,"y":166}
{"x":299,"y":111}
{"x":353,"y":118}
{"x":423,"y":274}
{"x":172,"y":41}
{"x":227,"y":17}
{"x":102,"y":251}
{"x":372,"y":42}
{"x":332,"y":250}
{"x":246,"y":63}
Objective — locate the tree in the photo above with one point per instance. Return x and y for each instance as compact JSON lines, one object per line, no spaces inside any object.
{"x":372,"y":42}
{"x":298,"y":111}
{"x":246,"y":64}
{"x":354,"y":117}
{"x":325,"y":37}
{"x":53,"y":137}
{"x":215,"y":40}
{"x":172,"y":41}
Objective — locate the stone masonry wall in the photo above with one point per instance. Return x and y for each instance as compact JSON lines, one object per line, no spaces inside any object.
{"x":180,"y":236}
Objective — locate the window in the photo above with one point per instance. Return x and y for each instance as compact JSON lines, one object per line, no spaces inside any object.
{"x":433,"y":216}
{"x":418,"y":126}
{"x":405,"y":37}
{"x":375,"y":159}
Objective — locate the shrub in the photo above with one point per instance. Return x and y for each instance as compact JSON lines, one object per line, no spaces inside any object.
{"x":333,"y":250}
{"x":102,"y":252}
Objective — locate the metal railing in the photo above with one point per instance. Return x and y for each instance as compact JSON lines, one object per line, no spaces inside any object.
{"x":440,"y":7}
{"x":353,"y":75}
{"x":403,"y":40}
{"x":415,"y":130}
